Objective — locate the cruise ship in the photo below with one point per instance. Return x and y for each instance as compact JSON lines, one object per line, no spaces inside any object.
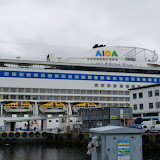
{"x":100,"y":77}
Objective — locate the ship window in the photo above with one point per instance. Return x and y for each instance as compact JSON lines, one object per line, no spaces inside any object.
{"x":135,"y":106}
{"x":140,"y":106}
{"x":76,"y":91}
{"x":114,"y":86}
{"x":50,"y":120}
{"x":121,"y":85}
{"x":42,"y":90}
{"x":28,"y":74}
{"x":133,"y":86}
{"x":13,"y":89}
{"x":70,"y":91}
{"x":49,"y":75}
{"x":127,"y":86}
{"x":95,"y":77}
{"x":42,"y":97}
{"x":132,"y":79}
{"x":63,"y":91}
{"x":114,"y":78}
{"x":83,"y":91}
{"x":76,"y":76}
{"x":56,"y":75}
{"x":49,"y":97}
{"x":6,"y":89}
{"x":102,"y":77}
{"x":28,"y":97}
{"x":126,"y":78}
{"x":150,"y":105}
{"x":69,"y":98}
{"x":14,"y":74}
{"x":63,"y":76}
{"x":5,"y":96}
{"x":63,"y":98}
{"x":42,"y":75}
{"x":70,"y":76}
{"x":21,"y":74}
{"x":56,"y":120}
{"x":6,"y":73}
{"x":89,"y":77}
{"x":108,"y":85}
{"x":155,"y":79}
{"x":56,"y":91}
{"x":156,"y":92}
{"x":35,"y":74}
{"x":20,"y":89}
{"x":138,"y":79}
{"x":49,"y":90}
{"x":83,"y":76}
{"x":35,"y":90}
{"x":28,"y":90}
{"x":149,"y":93}
{"x":56,"y":97}
{"x":20,"y":97}
{"x":89,"y":92}
{"x":121,"y":78}
{"x":96,"y":85}
{"x":144,"y":79}
{"x":108,"y":78}
{"x":149,"y":79}
{"x":102,"y":85}
{"x":140,"y":95}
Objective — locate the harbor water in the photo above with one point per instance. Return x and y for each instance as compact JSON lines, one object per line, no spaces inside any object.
{"x":52,"y":152}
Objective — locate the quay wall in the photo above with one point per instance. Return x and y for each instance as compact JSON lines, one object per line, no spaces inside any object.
{"x":150,"y":141}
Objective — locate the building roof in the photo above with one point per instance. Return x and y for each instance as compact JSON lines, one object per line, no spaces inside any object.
{"x":147,"y":86}
{"x":116,"y":130}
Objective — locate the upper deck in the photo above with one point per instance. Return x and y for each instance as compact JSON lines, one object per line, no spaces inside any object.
{"x":101,"y":58}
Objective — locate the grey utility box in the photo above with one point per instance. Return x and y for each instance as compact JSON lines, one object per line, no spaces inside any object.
{"x":116,"y":143}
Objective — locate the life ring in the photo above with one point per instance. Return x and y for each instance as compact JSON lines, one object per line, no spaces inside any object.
{"x":17,"y":134}
{"x":4,"y":134}
{"x":44,"y":134}
{"x":145,"y":138}
{"x":24,"y":134}
{"x":7,"y":141}
{"x":11,"y":134}
{"x":14,"y":141}
{"x":31,"y":134}
{"x":37,"y":134}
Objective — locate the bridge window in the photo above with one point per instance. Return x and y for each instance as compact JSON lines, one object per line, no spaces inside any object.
{"x":35,"y":74}
{"x":76,"y":76}
{"x":43,"y":75}
{"x":14,"y":74}
{"x":70,"y":76}
{"x":28,"y":74}
{"x":6,"y":73}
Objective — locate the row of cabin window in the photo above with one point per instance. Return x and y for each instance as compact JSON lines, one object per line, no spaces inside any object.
{"x":89,"y":77}
{"x":66,"y":98}
{"x":69,"y":91}
{"x":150,"y":94}
{"x":115,"y":85}
{"x":150,"y":105}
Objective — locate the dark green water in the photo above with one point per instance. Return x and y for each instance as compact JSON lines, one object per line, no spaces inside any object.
{"x":42,"y":152}
{"x":52,"y":152}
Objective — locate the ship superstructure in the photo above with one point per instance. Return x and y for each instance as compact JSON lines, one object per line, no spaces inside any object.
{"x":101,"y":76}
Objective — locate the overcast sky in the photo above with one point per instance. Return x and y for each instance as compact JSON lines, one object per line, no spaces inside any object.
{"x":69,"y":27}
